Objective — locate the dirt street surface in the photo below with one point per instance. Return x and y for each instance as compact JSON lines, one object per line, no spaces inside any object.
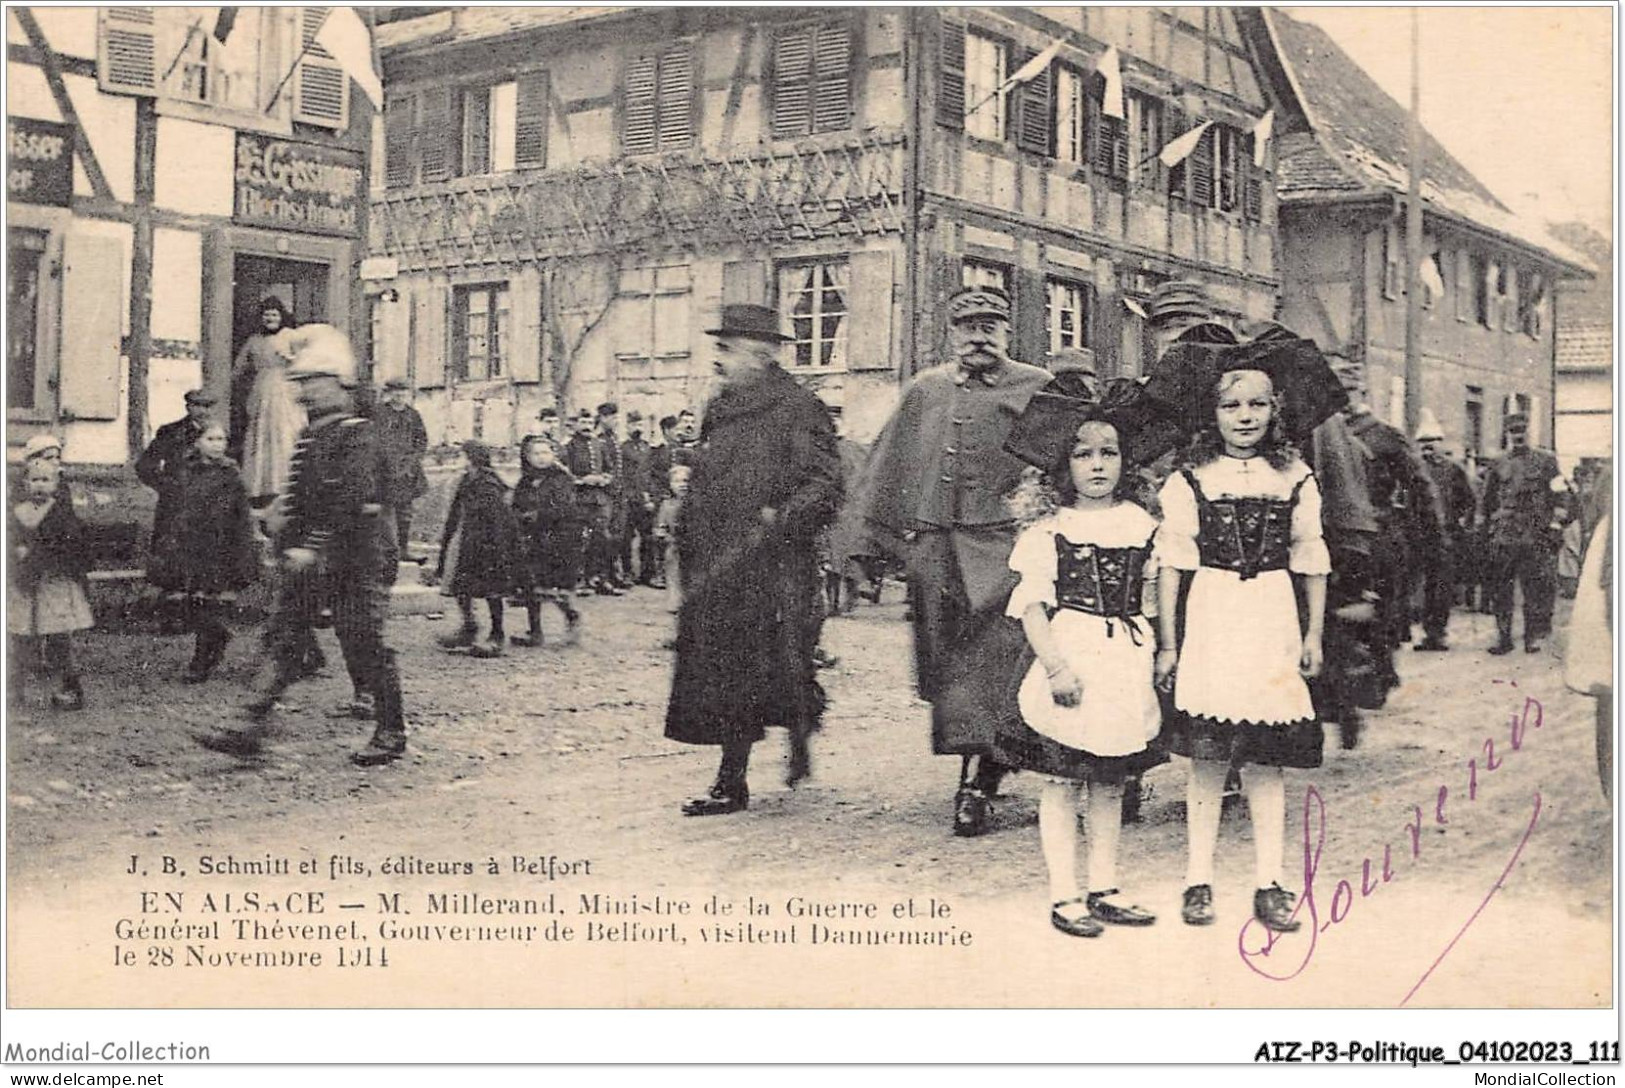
{"x":558,"y":752}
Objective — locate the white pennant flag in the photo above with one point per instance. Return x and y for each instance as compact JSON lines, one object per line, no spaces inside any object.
{"x":1111,"y":70}
{"x":1033,"y":67}
{"x":1178,"y":149}
{"x":1261,"y":136}
{"x":344,"y":35}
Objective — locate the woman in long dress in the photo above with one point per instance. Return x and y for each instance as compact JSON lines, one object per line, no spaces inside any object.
{"x":274,"y":415}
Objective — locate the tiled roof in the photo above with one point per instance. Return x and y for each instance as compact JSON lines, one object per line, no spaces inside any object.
{"x":1584,"y":347}
{"x":1359,"y":142}
{"x":480,"y":23}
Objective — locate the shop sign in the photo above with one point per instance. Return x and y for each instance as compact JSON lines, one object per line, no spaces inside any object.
{"x":301,"y":187}
{"x":39,"y":164}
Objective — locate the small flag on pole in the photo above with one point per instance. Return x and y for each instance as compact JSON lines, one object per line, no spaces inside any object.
{"x":1261,"y":136}
{"x":1180,"y":148}
{"x":346,"y":37}
{"x":223,"y":22}
{"x":1111,"y":70}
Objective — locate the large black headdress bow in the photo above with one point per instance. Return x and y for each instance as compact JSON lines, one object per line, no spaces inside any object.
{"x":1044,"y":434}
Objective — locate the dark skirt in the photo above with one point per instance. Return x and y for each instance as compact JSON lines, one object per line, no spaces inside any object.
{"x":1294,"y":744}
{"x":551,"y":559}
{"x":1027,"y":750}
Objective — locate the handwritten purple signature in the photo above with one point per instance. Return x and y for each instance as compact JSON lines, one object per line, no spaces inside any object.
{"x":1282,"y":958}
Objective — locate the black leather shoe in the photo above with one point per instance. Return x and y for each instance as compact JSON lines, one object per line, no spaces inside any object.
{"x":971,"y":812}
{"x":1431,"y":645}
{"x":383,"y":748}
{"x":1197,"y":909}
{"x":1074,"y":925}
{"x":1102,"y":909}
{"x":1532,"y":646}
{"x":1502,"y":646}
{"x":719,"y":800}
{"x":1272,"y":906}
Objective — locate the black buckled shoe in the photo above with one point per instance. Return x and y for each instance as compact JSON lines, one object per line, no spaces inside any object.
{"x":1074,"y":925}
{"x":1197,"y":910}
{"x":383,"y":748}
{"x":972,"y":810}
{"x":1273,"y":907}
{"x":719,"y":800}
{"x":1102,"y":909}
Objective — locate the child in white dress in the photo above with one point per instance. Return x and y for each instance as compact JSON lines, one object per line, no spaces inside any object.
{"x":1242,"y":520}
{"x":1089,"y":709}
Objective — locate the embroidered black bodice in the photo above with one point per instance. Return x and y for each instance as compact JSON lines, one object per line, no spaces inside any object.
{"x":1246,"y":535}
{"x":1099,"y":581}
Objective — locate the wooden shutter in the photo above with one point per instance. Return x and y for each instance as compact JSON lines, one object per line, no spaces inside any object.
{"x":1033,"y":115}
{"x":869,"y":309}
{"x":321,"y":89}
{"x":400,"y":140}
{"x":832,"y":91}
{"x":1178,"y":174}
{"x":745,"y":282}
{"x":93,"y":301}
{"x":951,"y":75}
{"x":1201,"y":169}
{"x":1029,"y":295}
{"x":530,"y":126}
{"x":475,"y":127}
{"x":436,"y":137}
{"x":127,"y":57}
{"x":792,"y":82}
{"x":638,"y":135}
{"x":433,"y":301}
{"x":676,"y":98}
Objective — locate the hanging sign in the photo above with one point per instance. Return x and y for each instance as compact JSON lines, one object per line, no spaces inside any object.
{"x":293,"y":186}
{"x":39,"y":164}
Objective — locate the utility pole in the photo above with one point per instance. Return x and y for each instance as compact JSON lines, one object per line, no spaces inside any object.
{"x":1413,"y":242}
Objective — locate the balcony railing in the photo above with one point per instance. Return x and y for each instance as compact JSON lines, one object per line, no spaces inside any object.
{"x":814,"y":189}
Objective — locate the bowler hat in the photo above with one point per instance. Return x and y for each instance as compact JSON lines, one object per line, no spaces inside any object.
{"x":749,"y":321}
{"x":199,"y":397}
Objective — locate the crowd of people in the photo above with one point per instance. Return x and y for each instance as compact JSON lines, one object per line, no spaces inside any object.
{"x":1215,"y":561}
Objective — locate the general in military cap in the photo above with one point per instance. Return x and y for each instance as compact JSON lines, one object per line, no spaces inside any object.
{"x":973,"y":302}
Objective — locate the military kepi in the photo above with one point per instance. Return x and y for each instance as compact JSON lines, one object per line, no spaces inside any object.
{"x":979,"y":302}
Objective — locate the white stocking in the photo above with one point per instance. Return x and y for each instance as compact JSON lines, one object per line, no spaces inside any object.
{"x":1058,"y":834}
{"x":1203,"y":793}
{"x":1105,"y":827}
{"x":1266,"y":801}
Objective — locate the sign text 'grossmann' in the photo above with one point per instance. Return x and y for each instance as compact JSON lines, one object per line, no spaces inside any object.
{"x":295,"y":186}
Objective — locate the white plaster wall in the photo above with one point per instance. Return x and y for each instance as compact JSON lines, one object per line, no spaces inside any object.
{"x":195,"y":167}
{"x":177,"y":285}
{"x":109,"y":120}
{"x":168,"y":381}
{"x":70,"y":30}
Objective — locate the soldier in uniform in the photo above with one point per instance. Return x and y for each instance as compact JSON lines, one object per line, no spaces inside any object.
{"x":932,"y":493}
{"x":337,"y":547}
{"x":1439,"y":566}
{"x":638,"y":493}
{"x":1524,"y":518}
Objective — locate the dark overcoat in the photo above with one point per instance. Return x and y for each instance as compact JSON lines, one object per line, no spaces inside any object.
{"x":746,"y":627}
{"x":402,"y":442}
{"x":549,"y":523}
{"x":208,"y":542}
{"x":932,"y":494}
{"x":160,"y":465}
{"x":487,"y":537}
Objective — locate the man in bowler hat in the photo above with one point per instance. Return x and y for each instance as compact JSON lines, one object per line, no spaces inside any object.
{"x":160,"y":463}
{"x":766,"y":480}
{"x":932,"y":494}
{"x":402,"y":442}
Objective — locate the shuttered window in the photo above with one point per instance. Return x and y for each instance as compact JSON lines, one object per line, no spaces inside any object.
{"x":986,"y":64}
{"x":127,"y":60}
{"x":480,"y":330}
{"x":1033,"y":109}
{"x":1145,"y":126}
{"x":1066,"y":315}
{"x":1179,"y":173}
{"x":1071,"y":118}
{"x":816,"y":299}
{"x":476,"y":126}
{"x":322,"y":90}
{"x":25,"y":253}
{"x":1202,"y":169}
{"x":530,"y":126}
{"x":812,"y":79}
{"x":436,"y":139}
{"x":659,"y":102}
{"x":951,"y":75}
{"x":400,"y":140}
{"x":1111,"y":143}
{"x":1233,"y":159}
